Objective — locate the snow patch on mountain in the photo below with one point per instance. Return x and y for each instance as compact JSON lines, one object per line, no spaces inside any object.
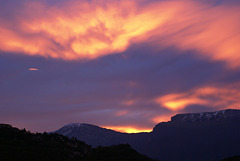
{"x":206,"y":116}
{"x":67,"y":129}
{"x":73,"y":125}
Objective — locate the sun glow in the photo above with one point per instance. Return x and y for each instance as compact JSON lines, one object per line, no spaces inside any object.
{"x":162,"y":118}
{"x":127,"y":129}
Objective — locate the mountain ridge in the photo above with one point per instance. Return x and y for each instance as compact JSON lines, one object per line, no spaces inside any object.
{"x":216,"y":115}
{"x":184,"y":138}
{"x":184,"y":117}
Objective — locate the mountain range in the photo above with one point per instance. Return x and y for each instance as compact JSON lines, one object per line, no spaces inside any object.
{"x":208,"y":136}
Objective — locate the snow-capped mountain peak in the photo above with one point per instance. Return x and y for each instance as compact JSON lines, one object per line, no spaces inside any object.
{"x":67,"y":129}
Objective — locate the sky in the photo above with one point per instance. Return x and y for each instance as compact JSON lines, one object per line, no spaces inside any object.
{"x":122,"y":65}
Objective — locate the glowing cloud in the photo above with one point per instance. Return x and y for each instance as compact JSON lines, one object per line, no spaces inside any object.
{"x":162,"y":118}
{"x":128,"y":102}
{"x":32,"y":69}
{"x":176,"y":102}
{"x":121,"y":113}
{"x":79,"y":29}
{"x":224,"y":97}
{"x":86,"y":30}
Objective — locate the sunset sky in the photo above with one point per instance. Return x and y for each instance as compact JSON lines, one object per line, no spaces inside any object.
{"x":125,"y":65}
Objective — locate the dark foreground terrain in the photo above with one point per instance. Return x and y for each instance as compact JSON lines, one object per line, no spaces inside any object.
{"x":235,"y":158}
{"x":20,"y":145}
{"x":210,"y":136}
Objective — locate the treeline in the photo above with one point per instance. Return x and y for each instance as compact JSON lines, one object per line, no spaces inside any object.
{"x":21,"y":145}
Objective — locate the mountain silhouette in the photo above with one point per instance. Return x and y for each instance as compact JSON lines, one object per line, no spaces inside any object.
{"x":21,"y":145}
{"x":208,"y":136}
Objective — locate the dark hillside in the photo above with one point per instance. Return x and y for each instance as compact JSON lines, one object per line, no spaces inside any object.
{"x":20,"y":145}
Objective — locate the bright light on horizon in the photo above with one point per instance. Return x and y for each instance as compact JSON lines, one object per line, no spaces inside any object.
{"x":127,"y":129}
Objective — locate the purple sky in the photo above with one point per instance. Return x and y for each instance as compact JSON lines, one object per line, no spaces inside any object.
{"x":119,"y":65}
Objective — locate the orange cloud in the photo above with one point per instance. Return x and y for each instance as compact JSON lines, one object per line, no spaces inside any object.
{"x":80,"y":29}
{"x":86,"y":30}
{"x":128,"y":102}
{"x":121,"y":113}
{"x":162,"y":118}
{"x":32,"y":69}
{"x":127,"y":129}
{"x":176,"y":102}
{"x":213,"y":32}
{"x":222,"y":97}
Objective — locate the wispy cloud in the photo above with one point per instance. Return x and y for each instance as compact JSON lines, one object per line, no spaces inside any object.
{"x":86,"y":30}
{"x":218,"y":97}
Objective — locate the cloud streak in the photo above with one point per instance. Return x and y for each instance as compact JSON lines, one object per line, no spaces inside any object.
{"x":86,"y":30}
{"x":33,"y":69}
{"x":213,"y":96}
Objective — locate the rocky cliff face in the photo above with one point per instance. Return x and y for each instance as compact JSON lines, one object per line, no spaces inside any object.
{"x":201,"y":120}
{"x":207,"y":136}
